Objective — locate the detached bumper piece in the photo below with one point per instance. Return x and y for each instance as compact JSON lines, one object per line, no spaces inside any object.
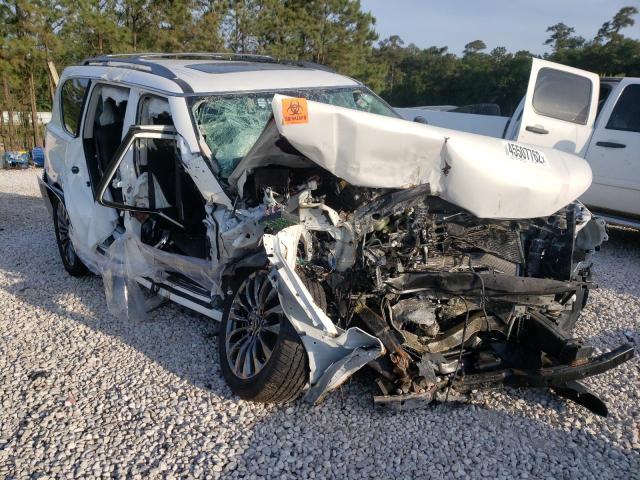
{"x":562,"y":379}
{"x":406,"y":401}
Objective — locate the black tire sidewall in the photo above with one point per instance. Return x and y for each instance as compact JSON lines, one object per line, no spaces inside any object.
{"x":76,"y":268}
{"x":251,"y":388}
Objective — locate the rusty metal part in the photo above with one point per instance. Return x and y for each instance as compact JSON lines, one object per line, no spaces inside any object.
{"x":399,"y":357}
{"x":452,"y":337}
{"x":406,"y":401}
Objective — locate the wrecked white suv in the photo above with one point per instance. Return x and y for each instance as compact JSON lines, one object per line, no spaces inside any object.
{"x":322,"y":230}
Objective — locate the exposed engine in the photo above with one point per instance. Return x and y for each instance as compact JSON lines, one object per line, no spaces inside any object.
{"x":452,"y":297}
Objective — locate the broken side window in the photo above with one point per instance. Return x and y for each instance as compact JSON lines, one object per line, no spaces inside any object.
{"x":103,"y":129}
{"x":72,"y":99}
{"x":154,"y":110}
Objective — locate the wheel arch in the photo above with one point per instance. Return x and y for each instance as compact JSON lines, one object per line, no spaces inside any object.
{"x":51,"y":192}
{"x":241,"y":268}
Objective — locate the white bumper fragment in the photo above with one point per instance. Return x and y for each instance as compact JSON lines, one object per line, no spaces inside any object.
{"x":334,"y":354}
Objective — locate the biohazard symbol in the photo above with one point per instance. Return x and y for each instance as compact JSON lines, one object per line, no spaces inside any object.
{"x":294,"y":110}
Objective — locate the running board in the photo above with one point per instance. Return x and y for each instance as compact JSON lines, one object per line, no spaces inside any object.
{"x":182,"y":296}
{"x":617,"y":220}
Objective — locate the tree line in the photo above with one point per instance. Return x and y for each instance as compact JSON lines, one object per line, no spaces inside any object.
{"x":337,"y":33}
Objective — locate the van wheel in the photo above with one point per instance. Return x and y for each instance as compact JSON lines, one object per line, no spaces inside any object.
{"x":68,"y":255}
{"x":261,"y":356}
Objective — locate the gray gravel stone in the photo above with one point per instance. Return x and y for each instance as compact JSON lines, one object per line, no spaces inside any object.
{"x":132,"y":399}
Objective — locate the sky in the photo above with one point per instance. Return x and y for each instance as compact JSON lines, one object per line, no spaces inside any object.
{"x":515,"y":24}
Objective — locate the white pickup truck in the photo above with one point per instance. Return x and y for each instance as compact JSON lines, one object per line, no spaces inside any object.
{"x":578,"y":112}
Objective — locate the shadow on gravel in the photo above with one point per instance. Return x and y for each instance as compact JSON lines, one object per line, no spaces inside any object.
{"x":622,"y":256}
{"x":181,"y":341}
{"x":349,"y":438}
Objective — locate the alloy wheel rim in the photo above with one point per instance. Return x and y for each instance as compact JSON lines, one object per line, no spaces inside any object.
{"x":253,"y":326}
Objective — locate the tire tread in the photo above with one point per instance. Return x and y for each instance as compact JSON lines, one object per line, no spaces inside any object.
{"x":288,"y":373}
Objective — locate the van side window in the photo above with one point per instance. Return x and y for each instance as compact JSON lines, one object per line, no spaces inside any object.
{"x":626,"y":113}
{"x":562,"y":95}
{"x":153,"y":110}
{"x":72,"y":99}
{"x":103,"y":128}
{"x":605,"y":91}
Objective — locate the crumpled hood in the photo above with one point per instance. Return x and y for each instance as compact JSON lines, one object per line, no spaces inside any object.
{"x":490,"y":177}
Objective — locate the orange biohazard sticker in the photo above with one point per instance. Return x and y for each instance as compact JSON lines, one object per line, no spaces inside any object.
{"x":294,"y":110}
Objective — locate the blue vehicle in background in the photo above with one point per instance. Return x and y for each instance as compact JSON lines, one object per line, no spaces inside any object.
{"x":37,"y":156}
{"x":16,"y":159}
{"x":22,"y":158}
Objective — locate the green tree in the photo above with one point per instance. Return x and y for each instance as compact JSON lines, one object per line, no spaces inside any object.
{"x":174,"y":27}
{"x":474,"y":47}
{"x":207,"y":27}
{"x":137,"y":18}
{"x":611,"y":30}
{"x":610,"y":52}
{"x":389,"y":55}
{"x":239,"y":25}
{"x":562,"y":37}
{"x":91,"y":28}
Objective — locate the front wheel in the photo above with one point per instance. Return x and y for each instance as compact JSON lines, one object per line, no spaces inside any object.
{"x":261,"y":356}
{"x":68,"y":255}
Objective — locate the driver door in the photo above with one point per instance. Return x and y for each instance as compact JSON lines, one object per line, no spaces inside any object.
{"x":158,"y":211}
{"x":560,"y":107}
{"x":137,"y":182}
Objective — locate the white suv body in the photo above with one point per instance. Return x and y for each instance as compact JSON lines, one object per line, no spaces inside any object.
{"x":325,"y":232}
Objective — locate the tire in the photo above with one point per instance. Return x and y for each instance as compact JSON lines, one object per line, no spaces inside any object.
{"x":259,"y":376}
{"x":61,"y":224}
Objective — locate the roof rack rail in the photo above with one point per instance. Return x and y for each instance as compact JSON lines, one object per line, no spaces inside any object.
{"x":134,"y":62}
{"x":144,"y":61}
{"x":194,"y":55}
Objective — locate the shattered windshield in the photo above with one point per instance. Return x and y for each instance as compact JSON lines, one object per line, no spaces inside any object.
{"x":231,"y":124}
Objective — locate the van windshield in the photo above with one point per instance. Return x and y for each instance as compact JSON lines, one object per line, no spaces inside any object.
{"x":231,"y":124}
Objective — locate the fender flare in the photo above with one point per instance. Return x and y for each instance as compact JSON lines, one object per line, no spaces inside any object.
{"x":50,"y":192}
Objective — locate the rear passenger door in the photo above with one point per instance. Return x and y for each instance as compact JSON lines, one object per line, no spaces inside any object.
{"x":560,"y":107}
{"x":66,"y":165}
{"x":614,"y":153}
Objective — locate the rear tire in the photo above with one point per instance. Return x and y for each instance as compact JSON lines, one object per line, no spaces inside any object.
{"x":261,"y":355}
{"x":68,"y":255}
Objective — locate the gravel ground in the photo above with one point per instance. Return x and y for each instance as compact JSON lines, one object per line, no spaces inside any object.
{"x":84,"y":394}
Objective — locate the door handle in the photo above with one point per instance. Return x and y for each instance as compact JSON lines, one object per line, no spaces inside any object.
{"x":539,"y":130}
{"x":611,"y":145}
